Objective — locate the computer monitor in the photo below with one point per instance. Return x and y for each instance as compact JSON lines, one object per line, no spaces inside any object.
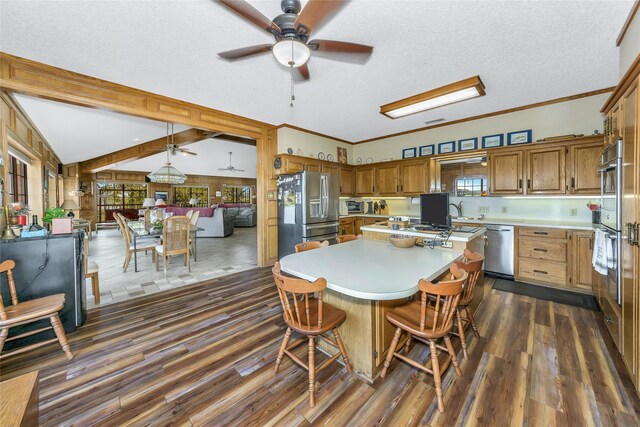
{"x":434,"y":210}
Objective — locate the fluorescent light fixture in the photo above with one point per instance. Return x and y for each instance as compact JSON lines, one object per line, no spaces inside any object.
{"x":291,"y":52}
{"x":449,"y":94}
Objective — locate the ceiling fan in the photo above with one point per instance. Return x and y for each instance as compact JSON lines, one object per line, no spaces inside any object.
{"x":175,"y":149}
{"x":291,"y":31}
{"x":230,"y":168}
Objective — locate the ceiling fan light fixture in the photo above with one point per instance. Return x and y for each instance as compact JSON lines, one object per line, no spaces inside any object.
{"x":167,"y":174}
{"x":449,"y":94}
{"x":291,"y":52}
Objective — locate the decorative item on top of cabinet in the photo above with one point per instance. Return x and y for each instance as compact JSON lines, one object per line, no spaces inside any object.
{"x":505,"y":172}
{"x":546,"y":168}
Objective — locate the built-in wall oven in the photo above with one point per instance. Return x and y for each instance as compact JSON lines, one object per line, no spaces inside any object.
{"x":611,"y":211}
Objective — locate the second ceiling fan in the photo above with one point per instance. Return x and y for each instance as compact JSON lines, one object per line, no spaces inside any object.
{"x":291,"y":31}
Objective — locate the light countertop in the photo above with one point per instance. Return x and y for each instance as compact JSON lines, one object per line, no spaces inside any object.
{"x":371,"y":269}
{"x":455,"y":236}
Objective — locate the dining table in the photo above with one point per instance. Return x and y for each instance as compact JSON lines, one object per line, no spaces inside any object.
{"x":140,"y":231}
{"x":367,"y":278}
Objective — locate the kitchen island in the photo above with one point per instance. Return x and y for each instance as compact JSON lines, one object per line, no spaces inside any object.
{"x":365,"y":278}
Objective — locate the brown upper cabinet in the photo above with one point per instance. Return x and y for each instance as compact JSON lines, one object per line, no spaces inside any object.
{"x":505,"y":172}
{"x":414,"y":177}
{"x":546,"y":170}
{"x":313,"y":167}
{"x":326,"y":168}
{"x":347,"y":181}
{"x":365,"y":181}
{"x":386,"y":182}
{"x":583,"y":168}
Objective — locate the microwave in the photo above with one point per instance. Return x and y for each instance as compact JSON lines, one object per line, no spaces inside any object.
{"x":354,"y":207}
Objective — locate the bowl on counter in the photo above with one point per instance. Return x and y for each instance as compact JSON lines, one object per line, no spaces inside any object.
{"x":402,"y":241}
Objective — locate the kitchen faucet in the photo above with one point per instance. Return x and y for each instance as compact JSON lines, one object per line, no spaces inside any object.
{"x":458,"y":208}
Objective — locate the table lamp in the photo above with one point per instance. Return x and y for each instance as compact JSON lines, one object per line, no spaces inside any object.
{"x":69,"y":205}
{"x":160,"y":203}
{"x":193,"y":201}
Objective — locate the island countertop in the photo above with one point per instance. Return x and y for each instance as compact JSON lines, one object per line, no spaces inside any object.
{"x":455,"y":236}
{"x":370,"y":269}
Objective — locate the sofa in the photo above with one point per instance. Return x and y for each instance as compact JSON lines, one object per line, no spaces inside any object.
{"x":244,"y":214}
{"x":214,"y":221}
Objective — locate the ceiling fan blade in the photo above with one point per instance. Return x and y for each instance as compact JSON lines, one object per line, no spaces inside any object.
{"x":243,"y":52}
{"x":344,"y":51}
{"x":188,"y":152}
{"x":317,"y":13}
{"x":301,"y":74}
{"x":251,"y":14}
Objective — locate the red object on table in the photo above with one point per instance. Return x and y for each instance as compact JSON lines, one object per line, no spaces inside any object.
{"x":22,"y":219}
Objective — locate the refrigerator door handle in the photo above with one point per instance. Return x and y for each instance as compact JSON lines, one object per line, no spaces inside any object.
{"x":324,"y":196}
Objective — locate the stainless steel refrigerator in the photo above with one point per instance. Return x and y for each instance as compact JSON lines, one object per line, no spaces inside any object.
{"x":308,"y":209}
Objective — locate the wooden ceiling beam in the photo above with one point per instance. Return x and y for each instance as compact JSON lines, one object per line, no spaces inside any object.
{"x":141,"y":151}
{"x":234,"y":138}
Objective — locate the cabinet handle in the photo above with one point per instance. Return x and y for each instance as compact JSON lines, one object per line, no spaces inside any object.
{"x":341,"y":188}
{"x":540,"y":250}
{"x":397,"y":188}
{"x":528,"y":184}
{"x":541,"y":233}
{"x":520,"y":184}
{"x":401,"y":188}
{"x":573,"y":183}
{"x":590,"y":244}
{"x":540,"y":271}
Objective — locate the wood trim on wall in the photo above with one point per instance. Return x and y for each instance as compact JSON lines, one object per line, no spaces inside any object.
{"x":312,"y":132}
{"x":495,"y":113}
{"x":56,"y":84}
{"x":626,"y":81}
{"x":627,"y":23}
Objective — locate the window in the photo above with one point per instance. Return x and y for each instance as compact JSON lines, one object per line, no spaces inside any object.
{"x":237,"y":194}
{"x":471,"y":187}
{"x":18,"y":184}
{"x":182,"y":195}
{"x":124,"y":198}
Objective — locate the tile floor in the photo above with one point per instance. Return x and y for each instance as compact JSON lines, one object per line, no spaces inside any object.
{"x":216,"y":257}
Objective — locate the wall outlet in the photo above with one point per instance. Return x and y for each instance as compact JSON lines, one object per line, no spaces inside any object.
{"x":447,"y":245}
{"x":574,"y":212}
{"x":483,"y":209}
{"x":504,"y":209}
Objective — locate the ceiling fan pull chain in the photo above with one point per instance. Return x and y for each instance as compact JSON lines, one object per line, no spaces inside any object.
{"x":293,"y":96}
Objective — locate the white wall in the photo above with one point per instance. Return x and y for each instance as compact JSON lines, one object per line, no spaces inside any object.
{"x":572,"y":117}
{"x":530,"y":208}
{"x":310,"y":144}
{"x":630,"y":46}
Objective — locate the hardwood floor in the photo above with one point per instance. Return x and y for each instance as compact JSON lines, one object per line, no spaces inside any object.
{"x":204,"y":354}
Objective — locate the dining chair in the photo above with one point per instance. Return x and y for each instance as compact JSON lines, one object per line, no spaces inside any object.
{"x":428,"y":322}
{"x":129,"y":249}
{"x":91,"y":270}
{"x":20,"y":313}
{"x":305,"y":313}
{"x":189,"y":213}
{"x":472,"y":264}
{"x":194,"y":228}
{"x":307,"y":246}
{"x":348,"y":238}
{"x":175,"y":241}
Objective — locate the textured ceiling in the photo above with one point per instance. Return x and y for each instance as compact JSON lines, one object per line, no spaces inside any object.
{"x":524,"y":51}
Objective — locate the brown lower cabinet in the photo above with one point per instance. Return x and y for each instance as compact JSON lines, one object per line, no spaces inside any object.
{"x":352,"y":224}
{"x":554,"y":257}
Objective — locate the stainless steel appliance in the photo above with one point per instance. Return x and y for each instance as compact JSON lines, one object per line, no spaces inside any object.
{"x":611,"y":211}
{"x":307,"y":209}
{"x":354,"y":207}
{"x":498,"y":255}
{"x":611,"y":179}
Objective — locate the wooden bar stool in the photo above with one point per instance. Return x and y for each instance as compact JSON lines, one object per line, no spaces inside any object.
{"x":21,"y":313}
{"x":307,"y":246}
{"x":472,"y":264}
{"x":428,"y":323}
{"x":348,"y":237}
{"x":308,"y":316}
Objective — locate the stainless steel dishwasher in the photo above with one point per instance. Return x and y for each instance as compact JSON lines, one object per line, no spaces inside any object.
{"x":498,"y":255}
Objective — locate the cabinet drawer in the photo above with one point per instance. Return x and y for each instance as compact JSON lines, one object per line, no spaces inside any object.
{"x":611,"y":320}
{"x":555,"y":233}
{"x":532,"y":247}
{"x":543,"y":270}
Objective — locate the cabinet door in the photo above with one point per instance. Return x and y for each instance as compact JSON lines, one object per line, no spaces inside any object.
{"x":313,"y":167}
{"x":330,"y":169}
{"x":584,"y":162}
{"x":581,"y":253}
{"x":386,"y":180}
{"x":505,"y":173}
{"x":364,"y":181}
{"x":356,"y":225}
{"x":347,"y":178}
{"x":546,"y":170}
{"x":414,"y":178}
{"x":292,"y":165}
